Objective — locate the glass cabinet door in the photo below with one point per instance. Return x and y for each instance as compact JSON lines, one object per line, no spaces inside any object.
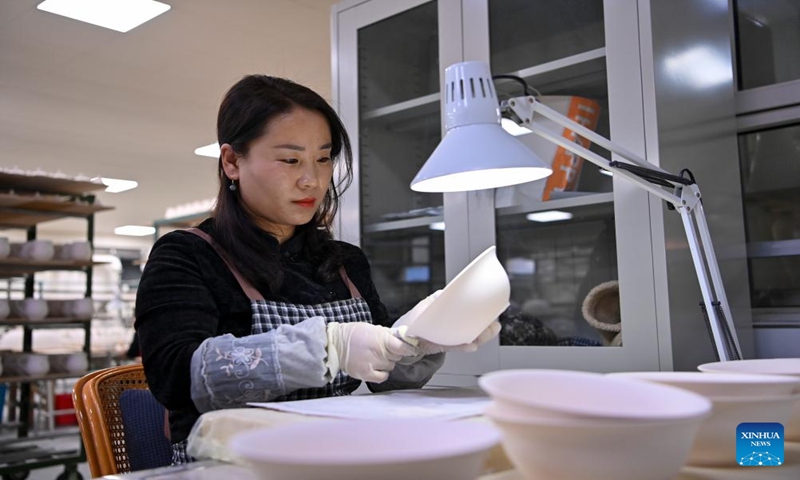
{"x":556,"y":237}
{"x":396,"y":46}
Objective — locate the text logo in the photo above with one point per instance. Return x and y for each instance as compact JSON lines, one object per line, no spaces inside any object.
{"x":759,"y":444}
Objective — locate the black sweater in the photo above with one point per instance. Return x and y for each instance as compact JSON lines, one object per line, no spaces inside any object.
{"x":187,"y":294}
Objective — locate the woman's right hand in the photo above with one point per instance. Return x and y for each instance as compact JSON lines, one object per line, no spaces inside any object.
{"x":364,"y":351}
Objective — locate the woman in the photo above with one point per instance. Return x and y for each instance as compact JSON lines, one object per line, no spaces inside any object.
{"x":259,"y":303}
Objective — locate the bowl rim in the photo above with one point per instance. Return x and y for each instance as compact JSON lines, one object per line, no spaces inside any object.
{"x":794,"y":370}
{"x":590,"y":423}
{"x":711,"y":378}
{"x":476,"y":437}
{"x":693,"y":404}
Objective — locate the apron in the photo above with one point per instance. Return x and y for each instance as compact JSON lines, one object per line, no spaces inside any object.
{"x":269,"y":315}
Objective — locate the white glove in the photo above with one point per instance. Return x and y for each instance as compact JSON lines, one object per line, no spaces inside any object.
{"x":364,"y":351}
{"x":425,"y":347}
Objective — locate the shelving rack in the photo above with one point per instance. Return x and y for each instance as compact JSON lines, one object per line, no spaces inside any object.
{"x":25,"y":202}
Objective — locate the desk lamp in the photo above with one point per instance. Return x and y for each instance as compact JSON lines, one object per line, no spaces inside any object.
{"x":476,"y":154}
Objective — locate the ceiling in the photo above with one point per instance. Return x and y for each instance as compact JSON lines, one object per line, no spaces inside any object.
{"x":86,"y":100}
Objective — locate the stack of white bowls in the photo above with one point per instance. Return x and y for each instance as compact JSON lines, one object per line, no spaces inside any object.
{"x":789,"y":367}
{"x":576,"y":425}
{"x":736,"y":398}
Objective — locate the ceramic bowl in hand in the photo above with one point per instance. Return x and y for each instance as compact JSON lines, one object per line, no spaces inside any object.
{"x":766,"y":366}
{"x":573,"y":449}
{"x":569,"y":395}
{"x":467,"y":305}
{"x":361,"y":450}
{"x":719,"y":385}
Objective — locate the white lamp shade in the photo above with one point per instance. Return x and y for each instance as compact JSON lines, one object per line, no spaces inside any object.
{"x":475,"y":153}
{"x":477,"y":157}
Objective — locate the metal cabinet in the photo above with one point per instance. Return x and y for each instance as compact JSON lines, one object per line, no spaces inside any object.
{"x":389,"y":58}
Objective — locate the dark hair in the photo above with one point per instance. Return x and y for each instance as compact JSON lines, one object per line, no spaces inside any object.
{"x":243,"y":117}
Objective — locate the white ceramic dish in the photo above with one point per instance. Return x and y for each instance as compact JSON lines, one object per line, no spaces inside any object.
{"x":557,"y":449}
{"x":376,"y":449}
{"x":716,"y":385}
{"x":766,"y":366}
{"x":467,"y":305}
{"x":569,"y":394}
{"x":715,"y":444}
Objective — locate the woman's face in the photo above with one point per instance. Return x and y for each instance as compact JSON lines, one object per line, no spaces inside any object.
{"x":286,"y":173}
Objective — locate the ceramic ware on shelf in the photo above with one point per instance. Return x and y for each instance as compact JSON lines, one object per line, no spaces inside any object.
{"x":33,"y":309}
{"x":68,"y":362}
{"x":25,"y":364}
{"x":361,"y":450}
{"x":5,"y":247}
{"x":467,"y":305}
{"x":75,"y":251}
{"x":35,"y":250}
{"x":5,"y":308}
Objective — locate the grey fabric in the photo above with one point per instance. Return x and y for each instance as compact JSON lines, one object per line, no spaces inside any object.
{"x":228,"y":372}
{"x":415,"y":375}
{"x":270,"y":316}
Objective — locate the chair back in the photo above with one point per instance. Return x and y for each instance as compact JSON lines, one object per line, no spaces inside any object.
{"x":102,"y":420}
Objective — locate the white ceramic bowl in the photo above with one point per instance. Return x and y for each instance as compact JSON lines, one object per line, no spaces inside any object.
{"x":37,"y":250}
{"x":569,"y":394}
{"x":715,"y":445}
{"x":716,"y":385}
{"x":765,"y":366}
{"x":19,"y":363}
{"x":467,"y":305}
{"x":79,"y":251}
{"x":79,"y":308}
{"x":68,"y":362}
{"x":376,"y":449}
{"x":571,"y":449}
{"x":33,"y":309}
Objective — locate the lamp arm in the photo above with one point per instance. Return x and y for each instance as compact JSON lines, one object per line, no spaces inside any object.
{"x":685,"y":198}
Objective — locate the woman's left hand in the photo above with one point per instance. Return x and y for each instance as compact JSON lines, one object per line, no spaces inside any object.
{"x":425,"y":347}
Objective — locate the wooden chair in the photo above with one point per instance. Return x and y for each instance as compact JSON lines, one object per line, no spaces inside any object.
{"x":97,"y":404}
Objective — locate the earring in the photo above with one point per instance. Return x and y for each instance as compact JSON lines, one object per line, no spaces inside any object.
{"x":232,"y":187}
